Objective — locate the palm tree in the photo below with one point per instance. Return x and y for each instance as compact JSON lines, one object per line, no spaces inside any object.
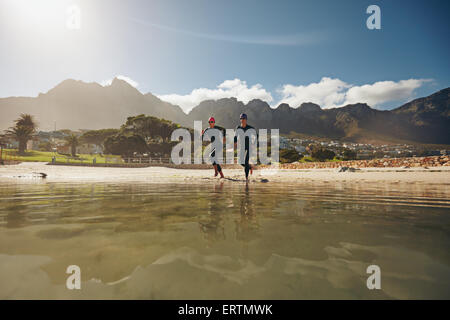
{"x":24,"y":129}
{"x":22,"y":134}
{"x":26,"y":120}
{"x":72,"y":141}
{"x":3,"y":140}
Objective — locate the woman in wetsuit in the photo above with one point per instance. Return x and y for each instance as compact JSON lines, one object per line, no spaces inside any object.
{"x":216,"y":165}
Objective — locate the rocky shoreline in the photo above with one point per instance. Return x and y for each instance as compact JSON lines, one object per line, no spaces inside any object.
{"x":412,"y":162}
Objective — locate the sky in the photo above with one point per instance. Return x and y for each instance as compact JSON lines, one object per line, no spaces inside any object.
{"x":188,"y":51}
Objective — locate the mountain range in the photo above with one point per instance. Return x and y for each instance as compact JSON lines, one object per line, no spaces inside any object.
{"x":74,"y":104}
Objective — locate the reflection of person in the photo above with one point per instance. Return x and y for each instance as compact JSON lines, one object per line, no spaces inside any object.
{"x":247,"y":226}
{"x":215,"y":163}
{"x":212,"y":226}
{"x":244,"y":126}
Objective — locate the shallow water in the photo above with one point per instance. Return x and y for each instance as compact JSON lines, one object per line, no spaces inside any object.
{"x":211,"y":241}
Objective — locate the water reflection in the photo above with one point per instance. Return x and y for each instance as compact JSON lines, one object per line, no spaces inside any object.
{"x":212,"y":225}
{"x":247,"y":226}
{"x":225,"y":240}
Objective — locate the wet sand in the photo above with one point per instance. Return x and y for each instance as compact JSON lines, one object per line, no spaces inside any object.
{"x":26,"y":171}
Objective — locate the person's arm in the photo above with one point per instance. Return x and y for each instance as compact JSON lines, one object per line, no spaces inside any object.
{"x":257,"y":138}
{"x":224,"y":133}
{"x":203,"y":135}
{"x":235,"y":137}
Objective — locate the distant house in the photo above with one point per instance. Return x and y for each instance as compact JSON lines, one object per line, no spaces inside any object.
{"x":33,"y":143}
{"x":284,"y":143}
{"x":300,"y":149}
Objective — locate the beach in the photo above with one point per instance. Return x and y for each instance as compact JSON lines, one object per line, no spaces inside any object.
{"x":164,"y":233}
{"x":27,"y":171}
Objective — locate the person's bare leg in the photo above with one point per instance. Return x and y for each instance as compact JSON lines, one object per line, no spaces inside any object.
{"x":219,"y":169}
{"x":215,"y":170}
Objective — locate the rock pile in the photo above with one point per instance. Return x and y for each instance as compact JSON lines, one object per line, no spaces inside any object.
{"x":434,"y":161}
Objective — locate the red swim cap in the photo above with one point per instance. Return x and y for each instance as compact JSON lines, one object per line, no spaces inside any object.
{"x":212,"y":119}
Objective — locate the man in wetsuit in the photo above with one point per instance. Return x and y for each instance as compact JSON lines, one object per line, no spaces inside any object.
{"x":212,"y":126}
{"x":244,"y":126}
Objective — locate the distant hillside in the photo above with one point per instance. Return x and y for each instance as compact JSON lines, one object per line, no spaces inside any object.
{"x":79,"y":105}
{"x":428,"y":118}
{"x":424,"y":120}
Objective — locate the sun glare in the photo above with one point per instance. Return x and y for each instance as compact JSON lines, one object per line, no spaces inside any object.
{"x":44,"y":15}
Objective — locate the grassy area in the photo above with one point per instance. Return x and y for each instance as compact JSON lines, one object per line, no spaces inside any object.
{"x":43,"y":156}
{"x":306,"y":159}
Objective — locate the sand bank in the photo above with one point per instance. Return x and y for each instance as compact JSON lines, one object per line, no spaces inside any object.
{"x":25,"y":172}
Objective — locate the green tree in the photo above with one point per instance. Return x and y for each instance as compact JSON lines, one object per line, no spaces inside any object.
{"x":45,"y":146}
{"x":97,"y":137}
{"x":72,"y":141}
{"x":289,"y":155}
{"x":125,"y":145}
{"x":26,"y":120}
{"x":149,"y":127}
{"x":322,"y":154}
{"x":23,"y":131}
{"x":166,"y":129}
{"x":348,"y":154}
{"x":146,"y":126}
{"x":3,"y":139}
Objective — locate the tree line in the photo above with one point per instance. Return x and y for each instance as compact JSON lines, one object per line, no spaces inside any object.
{"x":141,"y":134}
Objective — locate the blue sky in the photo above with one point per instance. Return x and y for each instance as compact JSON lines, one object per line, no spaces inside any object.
{"x":280,"y":51}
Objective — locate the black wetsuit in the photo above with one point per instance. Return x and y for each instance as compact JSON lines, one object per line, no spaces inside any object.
{"x":246,"y":164}
{"x":213,"y":153}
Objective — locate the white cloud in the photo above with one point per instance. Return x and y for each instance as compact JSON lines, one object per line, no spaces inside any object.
{"x":326,"y":93}
{"x":121,"y":77}
{"x":329,"y":92}
{"x":383,"y":91}
{"x":227,"y":89}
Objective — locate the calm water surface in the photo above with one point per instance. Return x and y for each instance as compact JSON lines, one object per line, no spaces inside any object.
{"x":210,"y":241}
